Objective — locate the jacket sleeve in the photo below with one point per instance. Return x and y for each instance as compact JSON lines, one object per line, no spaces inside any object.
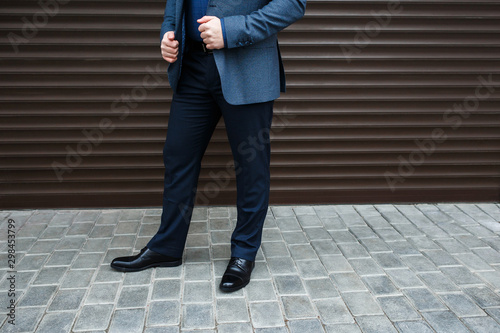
{"x":168,"y":18}
{"x":244,"y":30}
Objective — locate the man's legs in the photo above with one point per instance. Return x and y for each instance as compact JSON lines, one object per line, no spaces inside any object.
{"x":193,"y":117}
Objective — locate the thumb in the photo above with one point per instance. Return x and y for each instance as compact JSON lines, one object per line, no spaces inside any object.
{"x":171,"y":35}
{"x":205,"y":19}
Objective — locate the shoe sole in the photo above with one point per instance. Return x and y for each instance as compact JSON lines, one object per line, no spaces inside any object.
{"x":164,"y":264}
{"x":228,"y":290}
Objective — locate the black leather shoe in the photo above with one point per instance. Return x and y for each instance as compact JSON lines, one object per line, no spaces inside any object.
{"x":237,"y":274}
{"x":143,"y":260}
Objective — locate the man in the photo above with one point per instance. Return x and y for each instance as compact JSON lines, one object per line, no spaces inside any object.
{"x":224,"y":61}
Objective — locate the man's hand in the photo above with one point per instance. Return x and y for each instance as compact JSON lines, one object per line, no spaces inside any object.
{"x":211,"y":32}
{"x":169,"y":47}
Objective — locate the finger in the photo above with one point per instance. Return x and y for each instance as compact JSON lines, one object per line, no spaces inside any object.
{"x":205,"y":19}
{"x":171,"y":35}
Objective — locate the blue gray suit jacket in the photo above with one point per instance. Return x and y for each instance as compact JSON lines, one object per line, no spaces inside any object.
{"x":250,"y":65}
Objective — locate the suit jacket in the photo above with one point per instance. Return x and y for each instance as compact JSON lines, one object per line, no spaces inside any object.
{"x":250,"y":65}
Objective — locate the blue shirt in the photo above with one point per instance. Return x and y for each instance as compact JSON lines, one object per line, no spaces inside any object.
{"x":196,"y":9}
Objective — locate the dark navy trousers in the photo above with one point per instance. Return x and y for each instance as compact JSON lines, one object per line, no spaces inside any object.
{"x":196,"y":108}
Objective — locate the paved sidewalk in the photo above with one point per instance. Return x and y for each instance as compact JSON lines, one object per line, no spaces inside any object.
{"x":321,"y":268}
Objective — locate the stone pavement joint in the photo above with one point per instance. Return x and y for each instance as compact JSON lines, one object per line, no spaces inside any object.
{"x":321,"y":268}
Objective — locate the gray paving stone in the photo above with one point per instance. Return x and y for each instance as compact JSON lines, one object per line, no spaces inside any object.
{"x":333,"y":223}
{"x":342,"y":236}
{"x":280,"y":211}
{"x":325,"y":247}
{"x":336,"y":264}
{"x":388,"y":260}
{"x":87,"y":216}
{"x":482,"y":324}
{"x":37,"y":296}
{"x":441,"y":258}
{"x":353,"y":250}
{"x":166,"y":289}
{"x":234,"y":328}
{"x":302,"y":252}
{"x":260,"y":271}
{"x":452,"y":246}
{"x":461,"y":275}
{"x":295,"y":237}
{"x":471,"y":241}
{"x":198,"y":315}
{"x":489,"y":255}
{"x":434,"y":232}
{"x":320,"y":288}
{"x":423,"y":243}
{"x":333,"y":311}
{"x":138,"y":278}
{"x":298,"y":307}
{"x":389,"y":234}
{"x":380,"y":285}
{"x":102,"y":293}
{"x":271,"y":235}
{"x":260,"y":290}
{"x":62,"y":219}
{"x":281,"y":265}
{"x":43,"y":246}
{"x":102,"y":231}
{"x":343,"y":328}
{"x":376,"y":222}
{"x":420,"y":264}
{"x":281,"y":329}
{"x":424,"y":300}
{"x":118,"y":241}
{"x":56,"y":322}
{"x":375,"y":324}
{"x":309,"y":221}
{"x":362,"y":303}
{"x":128,"y":228}
{"x":197,"y":272}
{"x":438,"y":282}
{"x":22,"y":280}
{"x":289,"y":223}
{"x":493,"y":242}
{"x":23,"y":245}
{"x":266,"y":314}
{"x":231,"y":310}
{"x":87,"y":260}
{"x":289,"y":285}
{"x":375,"y":245}
{"x":275,"y":249}
{"x":408,"y":230}
{"x":405,"y":278}
{"x":53,"y":233}
{"x":197,"y":292}
{"x":61,"y":258}
{"x":444,"y":321}
{"x":492,"y":278}
{"x":398,"y":308}
{"x":304,"y":210}
{"x":311,"y":269}
{"x":221,"y":251}
{"x":127,"y":321}
{"x":480,"y":231}
{"x":305,"y":326}
{"x":32,"y":262}
{"x":26,"y":320}
{"x":71,"y":243}
{"x":197,"y":255}
{"x":131,"y":214}
{"x":366,"y":266}
{"x":414,"y":326}
{"x":197,"y":240}
{"x":317,"y":233}
{"x":50,"y":275}
{"x":403,"y":248}
{"x":325,"y":210}
{"x":94,"y":317}
{"x":348,"y":282}
{"x":219,"y":224}
{"x":473,"y":262}
{"x":30,"y":230}
{"x":67,"y":299}
{"x":163,"y":313}
{"x":169,"y":272}
{"x":461,"y":305}
{"x":483,"y":296}
{"x":78,"y":278}
{"x":133,"y":297}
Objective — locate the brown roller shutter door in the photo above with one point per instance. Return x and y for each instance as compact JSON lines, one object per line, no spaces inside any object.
{"x":388,"y":101}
